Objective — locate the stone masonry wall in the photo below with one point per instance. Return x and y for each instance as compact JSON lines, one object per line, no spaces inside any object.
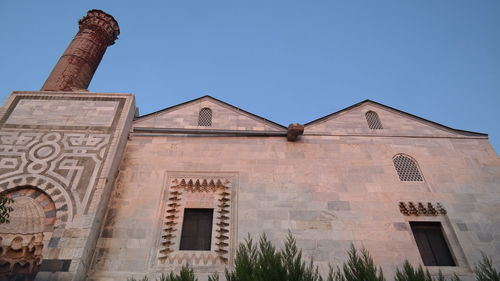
{"x":223,"y":117}
{"x":328,"y":190}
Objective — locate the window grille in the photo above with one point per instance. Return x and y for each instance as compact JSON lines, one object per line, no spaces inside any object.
{"x":432,"y":244}
{"x":205,"y":117}
{"x":373,"y":120}
{"x":407,"y":168}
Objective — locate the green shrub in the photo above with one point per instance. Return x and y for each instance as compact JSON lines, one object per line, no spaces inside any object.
{"x":213,"y":277}
{"x":409,"y":273}
{"x":485,"y":271}
{"x":359,"y":267}
{"x":295,"y":268}
{"x":186,"y":274}
{"x":5,"y":209}
{"x":264,"y":262}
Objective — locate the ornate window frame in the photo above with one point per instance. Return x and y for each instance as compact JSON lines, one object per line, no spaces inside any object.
{"x":436,"y":212}
{"x":196,"y":190}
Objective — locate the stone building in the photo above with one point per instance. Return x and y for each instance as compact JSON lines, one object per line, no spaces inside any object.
{"x":103,"y":194}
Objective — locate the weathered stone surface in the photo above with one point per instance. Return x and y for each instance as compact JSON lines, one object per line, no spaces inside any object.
{"x":294,"y":131}
{"x":334,"y":186}
{"x":79,"y":62}
{"x":339,"y":206}
{"x":340,"y":189}
{"x":224,"y":116}
{"x":88,"y":113}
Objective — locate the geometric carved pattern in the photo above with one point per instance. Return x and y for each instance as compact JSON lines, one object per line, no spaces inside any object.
{"x":67,"y":163}
{"x":421,"y":209}
{"x":205,"y":117}
{"x":373,"y":120}
{"x":208,"y":192}
{"x":407,"y":168}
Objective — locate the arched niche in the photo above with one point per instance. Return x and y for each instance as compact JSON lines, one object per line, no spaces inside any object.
{"x":22,"y":239}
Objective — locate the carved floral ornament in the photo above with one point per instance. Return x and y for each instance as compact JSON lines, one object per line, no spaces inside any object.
{"x":214,"y":190}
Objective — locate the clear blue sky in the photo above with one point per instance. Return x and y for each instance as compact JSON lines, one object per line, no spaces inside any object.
{"x":288,"y":61}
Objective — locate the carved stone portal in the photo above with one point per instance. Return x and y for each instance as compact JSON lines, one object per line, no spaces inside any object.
{"x":21,"y":240}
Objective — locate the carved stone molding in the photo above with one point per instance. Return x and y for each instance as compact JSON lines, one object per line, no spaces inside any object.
{"x":99,"y":19}
{"x":421,"y":209}
{"x":206,"y":191}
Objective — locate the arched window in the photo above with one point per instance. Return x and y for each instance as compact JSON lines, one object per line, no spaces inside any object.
{"x":205,"y":117}
{"x":407,"y":168}
{"x":373,"y":120}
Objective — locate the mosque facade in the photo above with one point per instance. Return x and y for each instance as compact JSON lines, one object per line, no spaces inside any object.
{"x":101,"y":193}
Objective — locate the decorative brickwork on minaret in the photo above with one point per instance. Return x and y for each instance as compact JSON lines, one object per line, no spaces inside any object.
{"x":77,"y":65}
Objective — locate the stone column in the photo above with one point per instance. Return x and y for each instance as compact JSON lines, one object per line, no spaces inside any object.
{"x":75,"y":68}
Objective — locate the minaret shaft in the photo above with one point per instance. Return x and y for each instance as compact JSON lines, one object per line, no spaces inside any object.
{"x":77,"y":65}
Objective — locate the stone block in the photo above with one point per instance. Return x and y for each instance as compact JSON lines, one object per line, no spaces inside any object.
{"x":485,"y":237}
{"x":53,"y":242}
{"x":401,"y":226}
{"x":462,"y":226}
{"x":339,"y":206}
{"x":55,"y":265}
{"x":304,"y":215}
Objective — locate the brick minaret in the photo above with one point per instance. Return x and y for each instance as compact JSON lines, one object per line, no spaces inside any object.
{"x":77,"y":65}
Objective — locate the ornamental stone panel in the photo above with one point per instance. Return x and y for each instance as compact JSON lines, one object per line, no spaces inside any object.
{"x":197,"y":190}
{"x":60,"y":150}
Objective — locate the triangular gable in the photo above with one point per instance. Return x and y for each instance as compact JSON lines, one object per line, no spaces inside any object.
{"x":352,"y":121}
{"x":224,"y":117}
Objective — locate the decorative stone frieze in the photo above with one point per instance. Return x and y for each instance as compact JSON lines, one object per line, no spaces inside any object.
{"x":421,"y":209}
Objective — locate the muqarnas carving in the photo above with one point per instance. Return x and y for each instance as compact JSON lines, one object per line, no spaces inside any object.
{"x":208,"y":190}
{"x":421,"y":209}
{"x":21,"y":240}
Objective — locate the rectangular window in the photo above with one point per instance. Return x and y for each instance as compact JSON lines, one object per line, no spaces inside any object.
{"x":197,"y":229}
{"x":431,"y":244}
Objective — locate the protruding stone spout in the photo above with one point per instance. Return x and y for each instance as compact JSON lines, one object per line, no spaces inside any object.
{"x":294,"y":131}
{"x":75,"y":68}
